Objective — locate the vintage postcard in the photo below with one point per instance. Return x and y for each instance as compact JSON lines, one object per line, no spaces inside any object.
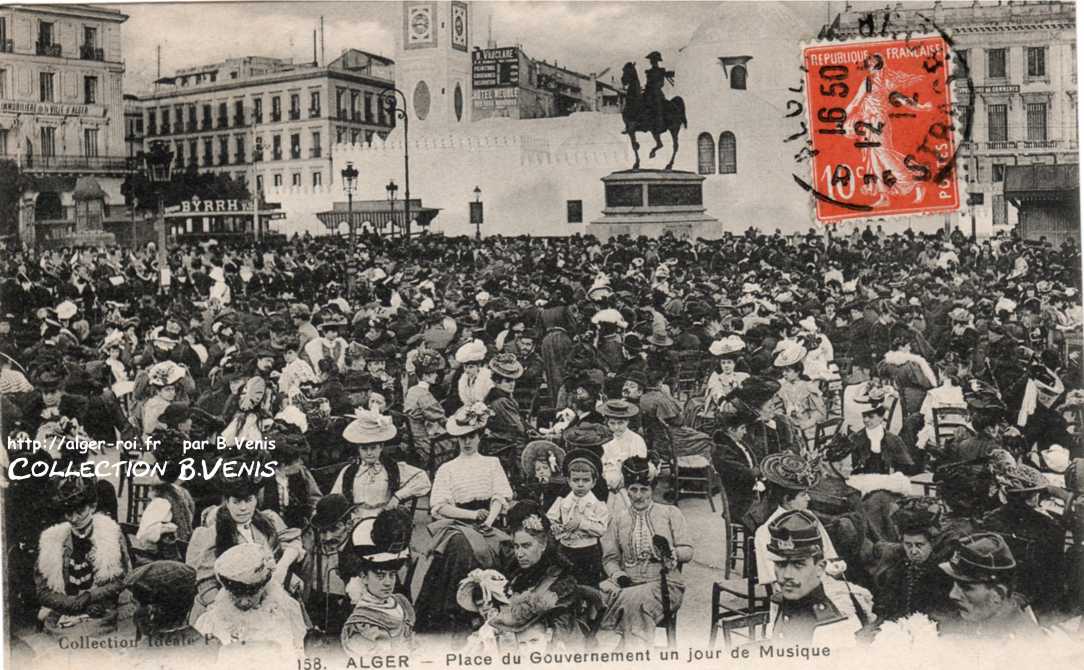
{"x":567,"y":334}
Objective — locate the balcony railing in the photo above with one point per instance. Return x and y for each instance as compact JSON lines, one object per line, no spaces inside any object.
{"x":257,"y":118}
{"x":152,"y":130}
{"x":1000,"y":146}
{"x":223,"y":122}
{"x":88,"y":52}
{"x":314,"y":113}
{"x":193,"y":126}
{"x":40,"y":163}
{"x":276,"y":156}
{"x":295,"y":153}
{"x":316,"y":152}
{"x":164,"y":128}
{"x":206,"y":123}
{"x":295,"y":114}
{"x":48,"y":49}
{"x":7,"y":46}
{"x":239,"y":159}
{"x":257,"y":155}
{"x":238,"y":120}
{"x":223,"y":159}
{"x":276,"y":116}
{"x":1040,"y":144}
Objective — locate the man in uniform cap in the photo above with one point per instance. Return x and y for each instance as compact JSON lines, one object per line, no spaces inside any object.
{"x":810,"y":607}
{"x":983,"y":571}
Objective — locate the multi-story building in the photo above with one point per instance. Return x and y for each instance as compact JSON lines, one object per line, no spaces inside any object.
{"x":133,"y":126}
{"x":270,"y":117}
{"x":61,"y":104}
{"x":1017,"y":63}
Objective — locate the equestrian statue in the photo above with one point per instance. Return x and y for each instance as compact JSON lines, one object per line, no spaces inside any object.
{"x":648,"y":110}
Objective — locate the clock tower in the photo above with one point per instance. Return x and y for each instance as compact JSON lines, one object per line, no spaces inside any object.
{"x":432,"y":62}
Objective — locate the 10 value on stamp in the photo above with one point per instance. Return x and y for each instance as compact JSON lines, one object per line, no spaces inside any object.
{"x":881,"y":122}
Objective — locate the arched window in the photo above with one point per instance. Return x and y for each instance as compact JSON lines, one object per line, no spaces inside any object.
{"x":728,"y":153}
{"x":737,"y":77}
{"x":705,"y":152}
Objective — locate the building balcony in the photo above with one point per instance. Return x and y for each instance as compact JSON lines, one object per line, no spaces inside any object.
{"x":295,"y":153}
{"x":316,"y":152}
{"x":7,"y":46}
{"x":88,"y":52}
{"x":257,"y":156}
{"x":52,"y":50}
{"x":314,"y":113}
{"x":208,"y":160}
{"x":193,"y":126}
{"x":206,"y":124}
{"x":163,"y":129}
{"x":239,"y":121}
{"x":239,"y":159}
{"x":1040,"y":144}
{"x":295,"y":114}
{"x":276,"y":156}
{"x":224,"y":159}
{"x":152,"y":130}
{"x":223,"y":122}
{"x":1003,"y":145}
{"x":75,"y":164}
{"x":257,"y":118}
{"x":276,"y":117}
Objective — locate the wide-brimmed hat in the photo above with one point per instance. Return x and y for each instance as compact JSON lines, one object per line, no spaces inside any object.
{"x":480,"y":587}
{"x":506,"y":365}
{"x":166,"y":373}
{"x":660,"y":340}
{"x":979,"y":558}
{"x":791,"y":353}
{"x":245,"y":568}
{"x":795,"y":534}
{"x":619,"y":409}
{"x":332,"y":320}
{"x":73,"y":492}
{"x":790,"y":470}
{"x":638,"y":470}
{"x":610,"y":316}
{"x":1022,"y":478}
{"x":541,"y":450}
{"x":872,"y":401}
{"x":66,"y":310}
{"x":729,"y":346}
{"x":369,"y":428}
{"x":468,"y":419}
{"x":330,"y":509}
{"x":582,"y":456}
{"x":471,"y":352}
{"x":377,"y":543}
{"x":590,"y":436}
{"x":429,"y":361}
{"x":918,"y":514}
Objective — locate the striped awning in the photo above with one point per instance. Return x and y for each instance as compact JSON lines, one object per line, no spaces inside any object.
{"x":377,"y":214}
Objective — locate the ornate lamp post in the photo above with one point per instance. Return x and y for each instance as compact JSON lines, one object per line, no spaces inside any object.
{"x":350,"y":183}
{"x":158,"y":166}
{"x":392,"y":188}
{"x":476,"y":213}
{"x":391,"y":103}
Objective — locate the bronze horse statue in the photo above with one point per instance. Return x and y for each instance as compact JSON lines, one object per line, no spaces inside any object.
{"x":673,"y":115}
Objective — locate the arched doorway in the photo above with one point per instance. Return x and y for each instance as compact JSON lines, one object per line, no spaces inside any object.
{"x":47,"y":206}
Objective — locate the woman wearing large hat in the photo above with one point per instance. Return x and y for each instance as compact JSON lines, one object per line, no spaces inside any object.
{"x":475,"y":380}
{"x":623,"y":445}
{"x":237,"y":521}
{"x":506,"y":431}
{"x":788,"y":478}
{"x":382,"y":620}
{"x":728,"y":353}
{"x":375,"y":481}
{"x":82,"y":564}
{"x":469,"y":494}
{"x":802,"y":399}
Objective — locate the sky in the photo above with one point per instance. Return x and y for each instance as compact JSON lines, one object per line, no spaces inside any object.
{"x":585,"y":36}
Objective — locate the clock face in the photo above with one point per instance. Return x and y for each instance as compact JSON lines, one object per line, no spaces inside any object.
{"x":419,"y":24}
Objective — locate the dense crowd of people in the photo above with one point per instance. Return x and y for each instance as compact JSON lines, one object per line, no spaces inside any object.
{"x":484,"y":442}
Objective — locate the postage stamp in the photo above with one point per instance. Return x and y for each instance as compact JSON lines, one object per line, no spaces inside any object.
{"x":881,"y":122}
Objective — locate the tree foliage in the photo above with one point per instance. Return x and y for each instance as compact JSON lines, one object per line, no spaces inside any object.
{"x":143,"y":193}
{"x":13,"y":183}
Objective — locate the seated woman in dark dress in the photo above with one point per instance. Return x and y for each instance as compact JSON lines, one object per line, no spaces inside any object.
{"x":469,"y":493}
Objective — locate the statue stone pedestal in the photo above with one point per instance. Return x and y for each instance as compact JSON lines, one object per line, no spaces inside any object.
{"x":653,"y":203}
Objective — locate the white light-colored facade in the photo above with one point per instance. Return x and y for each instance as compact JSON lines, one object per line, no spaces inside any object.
{"x":270,"y":122}
{"x":61,"y":99}
{"x":1021,"y":61}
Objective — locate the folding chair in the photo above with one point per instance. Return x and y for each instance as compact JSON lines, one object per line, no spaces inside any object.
{"x":740,"y":604}
{"x":687,"y":372}
{"x":825,"y":432}
{"x":690,"y":475}
{"x":945,"y":422}
{"x":139,"y":495}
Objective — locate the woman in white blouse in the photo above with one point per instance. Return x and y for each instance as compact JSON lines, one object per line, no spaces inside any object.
{"x":469,"y":494}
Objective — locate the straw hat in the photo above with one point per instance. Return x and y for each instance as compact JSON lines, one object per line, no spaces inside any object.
{"x":369,"y":428}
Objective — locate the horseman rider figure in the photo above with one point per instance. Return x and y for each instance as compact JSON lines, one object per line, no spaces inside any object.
{"x":655,"y":78}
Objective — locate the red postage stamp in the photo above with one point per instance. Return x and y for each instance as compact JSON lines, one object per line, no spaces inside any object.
{"x":881,"y":123}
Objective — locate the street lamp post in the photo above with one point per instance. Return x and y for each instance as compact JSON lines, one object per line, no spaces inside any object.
{"x":158,"y":163}
{"x":388,"y":95}
{"x":392,"y":188}
{"x":476,"y":213}
{"x":350,"y":181}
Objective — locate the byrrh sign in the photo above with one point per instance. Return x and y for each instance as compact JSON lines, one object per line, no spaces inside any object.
{"x":221,"y":206}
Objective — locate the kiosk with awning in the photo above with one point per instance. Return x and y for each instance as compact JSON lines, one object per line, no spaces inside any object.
{"x":384,"y":217}
{"x":224,"y":218}
{"x":1048,"y":199}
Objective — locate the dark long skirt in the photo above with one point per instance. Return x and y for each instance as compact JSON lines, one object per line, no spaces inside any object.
{"x":436,"y":607}
{"x":586,"y":564}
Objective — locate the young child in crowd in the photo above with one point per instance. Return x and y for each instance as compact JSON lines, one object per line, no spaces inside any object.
{"x":580,"y":519}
